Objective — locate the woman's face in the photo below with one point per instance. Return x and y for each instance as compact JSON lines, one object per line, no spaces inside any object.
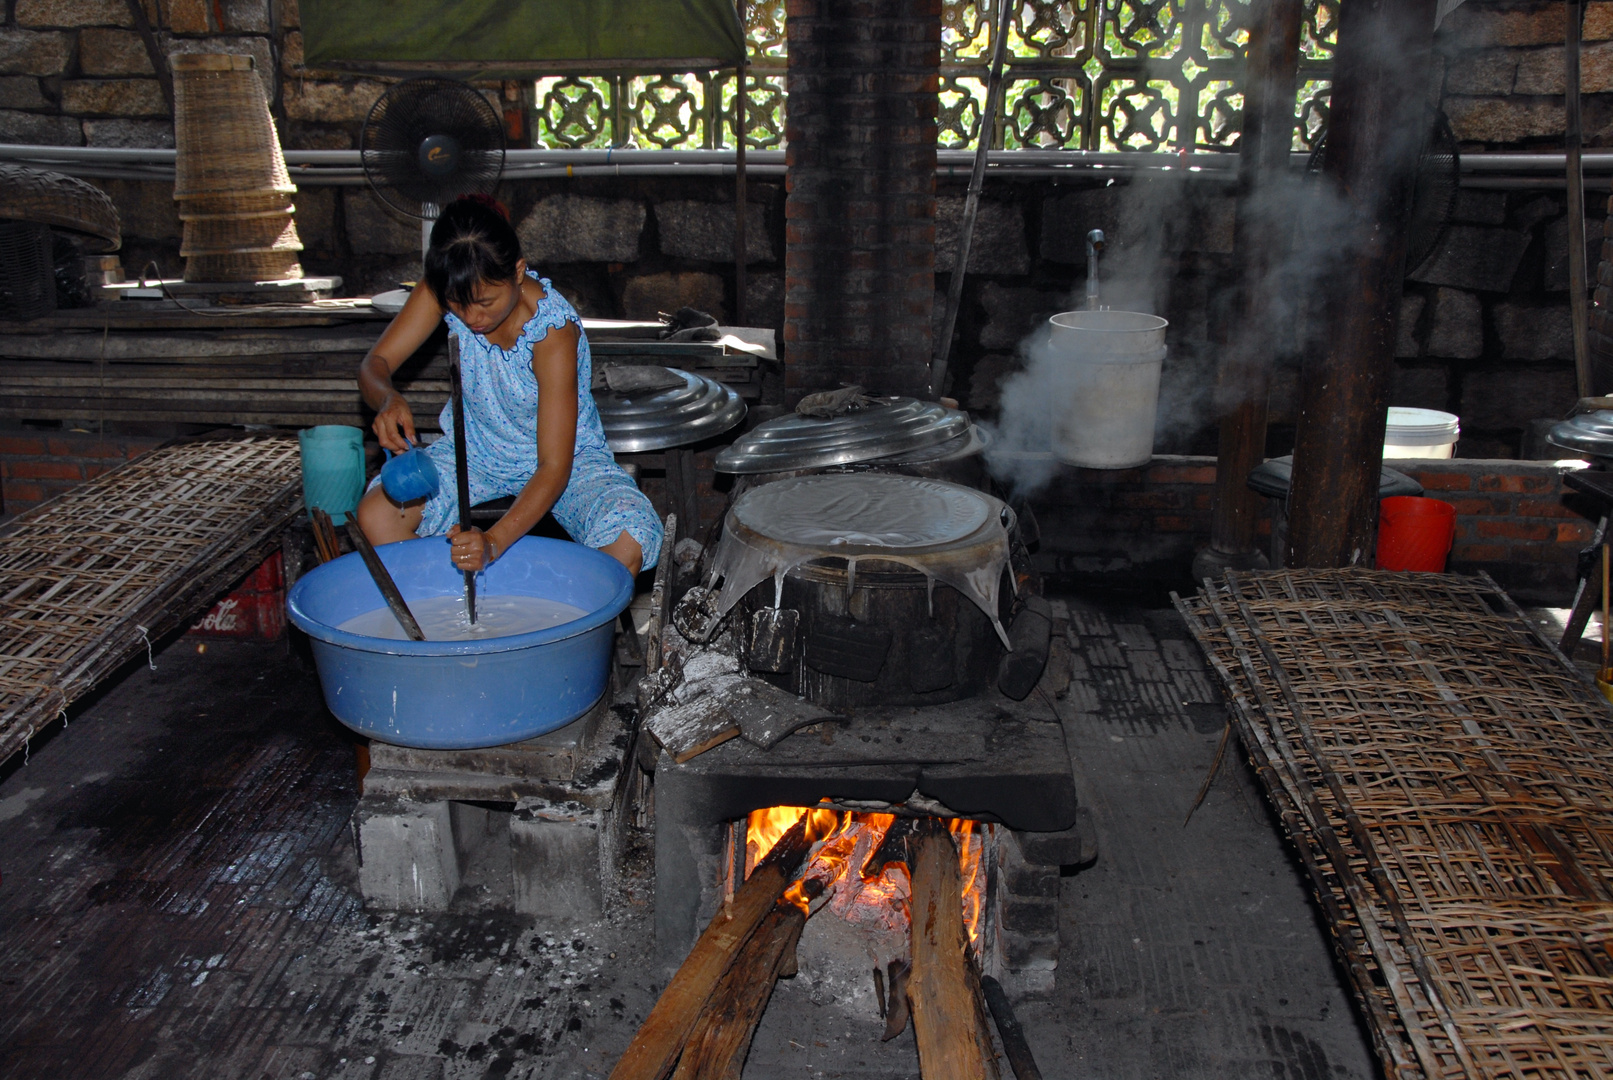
{"x":491,"y":303}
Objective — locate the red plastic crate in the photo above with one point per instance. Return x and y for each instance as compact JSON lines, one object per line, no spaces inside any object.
{"x":256,"y":609}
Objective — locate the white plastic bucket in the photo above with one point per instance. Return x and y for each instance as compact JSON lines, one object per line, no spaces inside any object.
{"x":1106,"y":387}
{"x":1420,"y":433}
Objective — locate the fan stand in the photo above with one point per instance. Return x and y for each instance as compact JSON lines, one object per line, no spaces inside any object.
{"x":429,"y":212}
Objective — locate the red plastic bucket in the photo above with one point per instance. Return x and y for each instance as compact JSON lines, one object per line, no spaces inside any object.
{"x":1415,"y":533}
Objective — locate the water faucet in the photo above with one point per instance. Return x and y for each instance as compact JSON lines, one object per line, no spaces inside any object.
{"x":1094,"y":246}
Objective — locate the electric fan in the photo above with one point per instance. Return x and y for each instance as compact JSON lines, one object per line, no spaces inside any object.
{"x":428,"y":141}
{"x":1433,"y":199}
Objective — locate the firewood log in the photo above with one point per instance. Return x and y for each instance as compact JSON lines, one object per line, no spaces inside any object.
{"x":953,"y":1044}
{"x":660,"y":1039}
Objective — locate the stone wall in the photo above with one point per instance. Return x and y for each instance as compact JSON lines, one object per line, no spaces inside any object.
{"x":1485,"y":330}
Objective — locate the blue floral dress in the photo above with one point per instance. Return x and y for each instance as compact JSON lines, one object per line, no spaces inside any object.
{"x":501,"y":438}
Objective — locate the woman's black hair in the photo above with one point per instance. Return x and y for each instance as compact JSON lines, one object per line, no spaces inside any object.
{"x":472,"y":242}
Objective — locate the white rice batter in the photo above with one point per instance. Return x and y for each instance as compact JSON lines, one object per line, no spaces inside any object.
{"x":443,"y":618}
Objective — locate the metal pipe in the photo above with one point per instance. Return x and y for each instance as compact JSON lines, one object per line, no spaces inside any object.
{"x":1578,"y":301}
{"x":1094,"y":247}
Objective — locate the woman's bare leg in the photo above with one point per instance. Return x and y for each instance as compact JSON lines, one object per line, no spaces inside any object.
{"x":625,"y":550}
{"x":387,"y":522}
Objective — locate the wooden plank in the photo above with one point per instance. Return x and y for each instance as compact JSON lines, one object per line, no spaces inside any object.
{"x":952,"y":1044}
{"x":660,"y":1039}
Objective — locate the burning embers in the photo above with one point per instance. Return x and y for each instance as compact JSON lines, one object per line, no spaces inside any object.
{"x":915,"y":885}
{"x":861,"y":866}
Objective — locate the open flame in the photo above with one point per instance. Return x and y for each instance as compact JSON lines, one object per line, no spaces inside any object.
{"x":853,"y":886}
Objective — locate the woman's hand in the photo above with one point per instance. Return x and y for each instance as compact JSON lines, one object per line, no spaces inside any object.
{"x":472,"y":548}
{"x":394,"y":416}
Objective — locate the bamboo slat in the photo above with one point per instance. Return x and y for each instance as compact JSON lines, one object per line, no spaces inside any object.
{"x":1447,"y":776}
{"x":91,"y":577}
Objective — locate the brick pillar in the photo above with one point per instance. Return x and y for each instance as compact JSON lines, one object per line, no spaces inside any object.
{"x":859,"y":260}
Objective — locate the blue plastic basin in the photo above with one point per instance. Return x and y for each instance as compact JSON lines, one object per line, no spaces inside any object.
{"x":454,"y":695}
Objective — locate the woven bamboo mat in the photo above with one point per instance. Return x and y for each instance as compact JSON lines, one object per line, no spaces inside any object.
{"x":90,"y":578}
{"x":1447,"y":777}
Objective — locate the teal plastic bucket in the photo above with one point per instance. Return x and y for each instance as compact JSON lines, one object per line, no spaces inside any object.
{"x":332,"y":468}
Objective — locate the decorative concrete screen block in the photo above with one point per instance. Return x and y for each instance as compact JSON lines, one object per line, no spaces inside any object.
{"x":26,"y":127}
{"x":1476,"y":258}
{"x":1458,"y":329}
{"x":407,"y":860}
{"x":575,"y":228}
{"x":651,"y":293}
{"x":1532,"y":332}
{"x":376,"y":229}
{"x":114,"y":97}
{"x":998,"y":244}
{"x":705,"y":230}
{"x":21,"y":92}
{"x":71,"y":14}
{"x":555,"y":859}
{"x":103,"y":51}
{"x":135,"y":134}
{"x":33,"y":52}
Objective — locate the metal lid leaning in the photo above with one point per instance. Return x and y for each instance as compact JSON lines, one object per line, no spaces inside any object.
{"x":891,"y":426}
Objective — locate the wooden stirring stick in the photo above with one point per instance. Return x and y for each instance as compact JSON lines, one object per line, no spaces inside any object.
{"x":384,"y":582}
{"x":461,"y":466}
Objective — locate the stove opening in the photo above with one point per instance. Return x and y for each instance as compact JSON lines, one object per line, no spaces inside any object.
{"x":861,"y":864}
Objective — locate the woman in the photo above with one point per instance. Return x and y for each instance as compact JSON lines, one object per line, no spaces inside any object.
{"x":531,"y":428}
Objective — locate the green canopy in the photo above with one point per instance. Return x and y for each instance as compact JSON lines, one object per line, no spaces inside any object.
{"x":507,"y":37}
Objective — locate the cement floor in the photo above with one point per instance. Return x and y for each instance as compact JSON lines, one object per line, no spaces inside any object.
{"x":178,"y":899}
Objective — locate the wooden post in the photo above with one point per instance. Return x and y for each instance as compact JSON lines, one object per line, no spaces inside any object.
{"x":1259,"y":244}
{"x":1578,"y":300}
{"x":740,"y":121}
{"x":952,"y":1043}
{"x":1380,"y":92}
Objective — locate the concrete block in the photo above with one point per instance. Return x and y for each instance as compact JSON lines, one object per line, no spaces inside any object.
{"x":575,"y":228}
{"x":316,"y":217}
{"x":647,"y":294}
{"x":146,"y":208}
{"x":407,"y":860}
{"x":997,"y":245}
{"x":1555,"y":272}
{"x":71,"y":14}
{"x":1474,"y":257}
{"x":705,"y":230}
{"x":373,"y":228}
{"x":103,"y":51}
{"x":323,"y":102}
{"x":129,"y":133}
{"x":1411,"y":311}
{"x":1480,"y":207}
{"x":22,"y":92}
{"x":1530,"y":332}
{"x":27,"y":127}
{"x":33,"y":52}
{"x":113,"y":97}
{"x":472,"y":827}
{"x":1458,"y":325}
{"x":986,"y":379}
{"x":1503,"y":119}
{"x":1489,"y":72}
{"x":1508,"y":399}
{"x":1420,"y":386}
{"x":1075,"y":846}
{"x":1067,"y":219}
{"x":1012,"y":314}
{"x":1540,"y":71}
{"x":555,"y":859}
{"x":764,"y":300}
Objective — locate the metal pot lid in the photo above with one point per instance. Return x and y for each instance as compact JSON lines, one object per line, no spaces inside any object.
{"x":1588,"y":433}
{"x":890,"y":427}
{"x":637,"y":421}
{"x":971,"y":442}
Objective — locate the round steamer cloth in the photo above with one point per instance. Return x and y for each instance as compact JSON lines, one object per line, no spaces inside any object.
{"x":871,"y":510}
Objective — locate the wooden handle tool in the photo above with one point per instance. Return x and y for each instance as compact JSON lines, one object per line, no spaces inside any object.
{"x":461,"y":466}
{"x":384,"y":582}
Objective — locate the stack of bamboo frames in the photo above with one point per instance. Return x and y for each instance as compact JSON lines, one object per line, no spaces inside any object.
{"x":1447,"y":777}
{"x":89,"y":579}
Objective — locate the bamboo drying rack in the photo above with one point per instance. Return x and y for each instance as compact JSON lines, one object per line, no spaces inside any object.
{"x":1447,"y":777}
{"x":91,"y":577}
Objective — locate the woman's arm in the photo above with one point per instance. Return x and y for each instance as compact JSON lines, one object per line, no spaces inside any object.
{"x":554,"y":362}
{"x":407,"y":331}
